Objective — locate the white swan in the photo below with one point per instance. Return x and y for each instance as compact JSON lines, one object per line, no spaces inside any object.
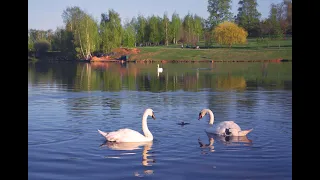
{"x":129,"y":135}
{"x":160,"y":69}
{"x":225,"y":128}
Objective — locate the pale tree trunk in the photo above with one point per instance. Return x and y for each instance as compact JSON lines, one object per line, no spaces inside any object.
{"x":81,"y":44}
{"x":167,"y":33}
{"x":88,"y":45}
{"x":88,"y":54}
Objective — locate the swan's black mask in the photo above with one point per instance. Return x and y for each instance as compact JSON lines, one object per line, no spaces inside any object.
{"x":200,"y":116}
{"x":153,"y":117}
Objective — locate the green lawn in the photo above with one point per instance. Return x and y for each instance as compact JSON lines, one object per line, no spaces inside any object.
{"x":281,"y":49}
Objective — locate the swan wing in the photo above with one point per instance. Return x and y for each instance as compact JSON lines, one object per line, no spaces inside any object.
{"x":125,"y":135}
{"x":229,"y":125}
{"x":220,"y":129}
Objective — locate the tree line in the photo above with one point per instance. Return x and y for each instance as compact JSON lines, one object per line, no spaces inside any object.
{"x":83,"y":35}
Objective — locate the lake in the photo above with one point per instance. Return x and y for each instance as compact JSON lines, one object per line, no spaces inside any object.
{"x":68,"y":102}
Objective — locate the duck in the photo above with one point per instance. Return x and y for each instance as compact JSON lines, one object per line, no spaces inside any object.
{"x":225,"y":128}
{"x":129,"y":135}
{"x":182,"y":123}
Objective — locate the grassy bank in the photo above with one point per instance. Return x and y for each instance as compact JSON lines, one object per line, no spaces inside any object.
{"x":253,"y":51}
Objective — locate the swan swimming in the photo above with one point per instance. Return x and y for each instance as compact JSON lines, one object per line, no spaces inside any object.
{"x":225,"y":128}
{"x":129,"y":135}
{"x":160,"y":69}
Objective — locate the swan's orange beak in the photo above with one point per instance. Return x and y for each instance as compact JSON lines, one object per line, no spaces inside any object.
{"x":153,"y":117}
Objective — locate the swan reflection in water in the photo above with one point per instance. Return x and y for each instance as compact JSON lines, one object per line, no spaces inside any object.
{"x":209,"y":146}
{"x":147,"y":146}
{"x":231,"y":140}
{"x":227,"y":140}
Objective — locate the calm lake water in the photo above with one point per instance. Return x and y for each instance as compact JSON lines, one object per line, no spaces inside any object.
{"x":68,"y":102}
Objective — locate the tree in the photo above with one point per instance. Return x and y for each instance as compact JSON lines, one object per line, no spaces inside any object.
{"x":274,"y":19}
{"x":129,"y":34}
{"x":228,"y":33}
{"x":288,"y":14}
{"x":197,"y":26}
{"x":284,"y":15}
{"x":175,"y":27}
{"x":56,"y":40}
{"x":219,"y":11}
{"x":208,"y":36}
{"x":207,"y":32}
{"x":166,"y":22}
{"x":192,"y":28}
{"x":35,"y":35}
{"x":62,"y":40}
{"x":87,"y":37}
{"x":265,"y":27}
{"x":248,"y":16}
{"x":110,"y":30}
{"x":42,"y":46}
{"x":30,"y":43}
{"x":141,"y":29}
{"x":70,"y":18}
{"x":188,"y":28}
{"x":153,"y":24}
{"x":161,"y":31}
{"x":83,"y":30}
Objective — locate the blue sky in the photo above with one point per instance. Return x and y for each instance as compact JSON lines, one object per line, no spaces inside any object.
{"x":46,"y":14}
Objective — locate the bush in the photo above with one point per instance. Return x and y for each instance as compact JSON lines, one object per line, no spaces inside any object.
{"x":228,"y":33}
{"x":42,"y":46}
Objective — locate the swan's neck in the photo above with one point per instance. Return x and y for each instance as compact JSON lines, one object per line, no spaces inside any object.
{"x":145,"y":128}
{"x":211,"y":116}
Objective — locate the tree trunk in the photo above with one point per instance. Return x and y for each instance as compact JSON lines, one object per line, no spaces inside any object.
{"x":167,"y":33}
{"x":88,"y":44}
{"x":80,"y":45}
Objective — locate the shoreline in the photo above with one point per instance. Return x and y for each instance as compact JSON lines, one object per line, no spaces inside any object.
{"x":183,"y":61}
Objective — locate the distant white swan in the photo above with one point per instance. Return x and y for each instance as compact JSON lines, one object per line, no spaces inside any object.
{"x":129,"y":135}
{"x":225,"y":128}
{"x":160,"y":69}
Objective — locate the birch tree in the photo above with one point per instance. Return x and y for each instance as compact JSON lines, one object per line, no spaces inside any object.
{"x":84,"y":30}
{"x":175,"y":27}
{"x":166,"y":26}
